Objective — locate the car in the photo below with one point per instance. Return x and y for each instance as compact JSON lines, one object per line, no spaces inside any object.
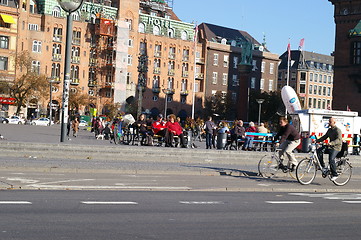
{"x":3,"y":120}
{"x":83,"y":123}
{"x":41,"y":121}
{"x":16,"y":120}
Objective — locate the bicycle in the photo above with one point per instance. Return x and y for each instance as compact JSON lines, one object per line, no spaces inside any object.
{"x":270,"y":165}
{"x":307,"y":168}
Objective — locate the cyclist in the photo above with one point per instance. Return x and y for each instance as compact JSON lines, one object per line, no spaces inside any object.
{"x":334,"y":147}
{"x":290,"y":139}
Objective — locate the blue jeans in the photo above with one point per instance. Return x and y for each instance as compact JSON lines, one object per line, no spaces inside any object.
{"x":209,"y":140}
{"x":248,"y":142}
{"x":331,"y":158}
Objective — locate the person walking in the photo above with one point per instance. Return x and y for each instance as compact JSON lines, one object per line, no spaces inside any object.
{"x":290,"y":139}
{"x":209,"y":127}
{"x":75,"y":126}
{"x":334,"y":147}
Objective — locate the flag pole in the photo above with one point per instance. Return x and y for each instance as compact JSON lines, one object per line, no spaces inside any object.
{"x":288,"y":61}
{"x":195,"y":69}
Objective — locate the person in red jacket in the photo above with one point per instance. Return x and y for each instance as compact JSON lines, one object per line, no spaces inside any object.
{"x":159,"y":127}
{"x":248,"y":142}
{"x":173,"y":129}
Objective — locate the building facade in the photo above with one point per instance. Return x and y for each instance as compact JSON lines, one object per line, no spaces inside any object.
{"x":311,"y":75}
{"x":347,"y":84}
{"x":223,"y":50}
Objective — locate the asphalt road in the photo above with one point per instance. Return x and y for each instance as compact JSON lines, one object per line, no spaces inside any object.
{"x":35,"y":215}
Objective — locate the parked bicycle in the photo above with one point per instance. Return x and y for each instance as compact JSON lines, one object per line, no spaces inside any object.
{"x":307,"y":168}
{"x":271,"y":164}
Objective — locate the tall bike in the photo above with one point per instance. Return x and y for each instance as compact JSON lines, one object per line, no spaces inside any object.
{"x":307,"y":168}
{"x":271,"y":164}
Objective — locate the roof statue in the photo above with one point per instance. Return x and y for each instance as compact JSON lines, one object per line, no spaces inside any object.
{"x":246,"y":58}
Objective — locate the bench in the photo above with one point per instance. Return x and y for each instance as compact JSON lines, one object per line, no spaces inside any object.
{"x":263,"y":141}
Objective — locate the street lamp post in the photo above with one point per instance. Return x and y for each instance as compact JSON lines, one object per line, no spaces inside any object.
{"x":51,"y":81}
{"x":68,"y":6}
{"x":165,"y":91}
{"x":260,"y":101}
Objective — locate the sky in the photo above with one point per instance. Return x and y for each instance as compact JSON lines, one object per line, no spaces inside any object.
{"x":279,"y":20}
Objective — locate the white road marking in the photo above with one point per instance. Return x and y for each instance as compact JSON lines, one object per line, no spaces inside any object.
{"x":66,"y":181}
{"x":202,"y":202}
{"x":104,"y":187}
{"x":15,"y":202}
{"x":264,"y":185}
{"x":288,"y":202}
{"x":23,"y":180}
{"x":351,"y":202}
{"x":108,"y":203}
{"x":313,"y":194}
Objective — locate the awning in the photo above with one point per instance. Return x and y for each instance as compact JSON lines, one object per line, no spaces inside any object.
{"x":356,"y":32}
{"x":7,"y":18}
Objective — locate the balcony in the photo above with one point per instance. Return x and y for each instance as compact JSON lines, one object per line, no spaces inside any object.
{"x":156,"y":89}
{"x":156,"y":70}
{"x":158,"y":54}
{"x":185,"y":74}
{"x":185,"y":58}
{"x":57,"y":38}
{"x":55,"y":79}
{"x":184,"y":93}
{"x":171,"y":72}
{"x":75,"y":59}
{"x":76,"y":41}
{"x":92,"y":83}
{"x":92,"y":62}
{"x":108,"y":85}
{"x":199,"y":76}
{"x":171,"y":55}
{"x":200,"y":60}
{"x":169,"y":91}
{"x":56,"y":57}
{"x":74,"y":81}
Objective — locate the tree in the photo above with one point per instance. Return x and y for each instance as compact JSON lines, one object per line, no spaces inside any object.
{"x":220,"y":105}
{"x":77,"y":99}
{"x":113,"y":110}
{"x":29,"y":85}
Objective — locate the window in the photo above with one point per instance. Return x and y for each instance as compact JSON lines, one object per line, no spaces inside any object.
{"x":324,"y":91}
{"x":271,"y":68}
{"x":328,"y":91}
{"x":235,"y":62}
{"x":156,"y":30}
{"x":320,"y":90}
{"x":75,"y":16}
{"x":4,"y":2}
{"x":235,"y":81}
{"x":310,"y":103}
{"x":130,"y":42}
{"x":196,"y":87}
{"x":225,"y":60}
{"x":36,"y":46}
{"x":270,"y":85}
{"x":315,"y":90}
{"x":316,"y":77}
{"x":234,"y":97}
{"x":184,"y":35}
{"x":310,"y":89}
{"x":155,"y":97}
{"x":170,"y":83}
{"x":33,"y":27}
{"x":35,"y":67}
{"x":157,"y":50}
{"x":323,"y":104}
{"x":129,"y":77}
{"x":293,"y":76}
{"x":55,"y":70}
{"x":184,"y":85}
{"x":214,"y":78}
{"x":32,"y":6}
{"x":324,"y":79}
{"x":56,"y":12}
{"x":254,"y":64}
{"x":320,"y":78}
{"x":314,"y":103}
{"x":329,"y":79}
{"x":253,"y":82}
{"x":224,"y":41}
{"x":170,"y":33}
{"x":186,"y":55}
{"x":303,"y":76}
{"x":356,"y":53}
{"x":215,"y":59}
{"x":141,"y":28}
{"x":302,"y":88}
{"x":263,"y":67}
{"x":142,"y":48}
{"x":76,"y":37}
{"x":3,"y":63}
{"x":4,"y":42}
{"x":311,"y":77}
{"x":130,"y":60}
{"x":130,"y":23}
{"x":57,"y":34}
{"x":261,"y":84}
{"x":319,"y":103}
{"x":172,"y":52}
{"x":225,"y":79}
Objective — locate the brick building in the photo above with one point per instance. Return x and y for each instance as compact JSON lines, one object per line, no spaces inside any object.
{"x":347,"y":84}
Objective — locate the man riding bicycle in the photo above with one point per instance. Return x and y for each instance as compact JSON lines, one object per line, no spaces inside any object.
{"x":290,"y":139}
{"x":334,"y":147}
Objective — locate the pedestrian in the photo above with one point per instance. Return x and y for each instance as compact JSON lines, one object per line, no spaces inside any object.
{"x":209,"y":126}
{"x":75,"y":126}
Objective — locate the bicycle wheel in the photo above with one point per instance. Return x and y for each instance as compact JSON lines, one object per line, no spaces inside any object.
{"x":344,"y":170}
{"x":268,"y":166}
{"x":306,"y":171}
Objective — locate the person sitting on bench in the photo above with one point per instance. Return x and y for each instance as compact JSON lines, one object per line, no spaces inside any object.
{"x":173,"y":129}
